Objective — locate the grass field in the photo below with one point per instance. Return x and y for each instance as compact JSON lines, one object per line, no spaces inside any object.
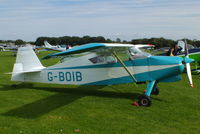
{"x":35,"y":108}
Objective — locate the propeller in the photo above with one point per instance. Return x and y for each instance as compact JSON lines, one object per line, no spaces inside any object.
{"x":187,"y":63}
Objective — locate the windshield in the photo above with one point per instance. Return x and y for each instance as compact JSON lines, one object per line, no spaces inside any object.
{"x":138,"y":53}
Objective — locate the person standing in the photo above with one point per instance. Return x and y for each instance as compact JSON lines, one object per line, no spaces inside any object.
{"x":173,"y":51}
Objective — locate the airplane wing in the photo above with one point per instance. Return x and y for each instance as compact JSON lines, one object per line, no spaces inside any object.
{"x":144,"y":46}
{"x":86,"y":48}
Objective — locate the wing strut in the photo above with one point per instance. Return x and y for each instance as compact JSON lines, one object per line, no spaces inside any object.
{"x":134,"y":79}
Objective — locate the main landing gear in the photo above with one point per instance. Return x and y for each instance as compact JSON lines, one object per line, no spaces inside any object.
{"x":155,"y":90}
{"x":145,"y":99}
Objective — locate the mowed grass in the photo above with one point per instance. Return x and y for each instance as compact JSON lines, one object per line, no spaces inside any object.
{"x":35,"y":108}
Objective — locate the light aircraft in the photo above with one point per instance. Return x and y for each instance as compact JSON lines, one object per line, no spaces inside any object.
{"x":55,"y":48}
{"x":9,"y":48}
{"x":102,"y":64}
{"x":2,"y":48}
{"x":194,"y":53}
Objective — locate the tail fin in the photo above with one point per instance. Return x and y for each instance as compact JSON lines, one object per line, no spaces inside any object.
{"x":27,"y":61}
{"x":47,"y":44}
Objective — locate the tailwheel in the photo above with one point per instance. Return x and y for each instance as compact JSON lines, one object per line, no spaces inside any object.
{"x":144,"y":101}
{"x":155,"y":90}
{"x":14,"y":86}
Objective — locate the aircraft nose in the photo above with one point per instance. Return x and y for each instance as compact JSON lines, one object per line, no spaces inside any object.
{"x":181,"y":64}
{"x":187,"y":60}
{"x":168,"y":66}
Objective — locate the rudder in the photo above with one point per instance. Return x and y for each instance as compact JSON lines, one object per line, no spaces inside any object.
{"x":26,"y":61}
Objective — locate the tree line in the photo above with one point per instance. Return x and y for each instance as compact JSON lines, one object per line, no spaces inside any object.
{"x":75,"y":40}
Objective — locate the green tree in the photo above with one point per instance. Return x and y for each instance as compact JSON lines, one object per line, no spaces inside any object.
{"x":118,"y":40}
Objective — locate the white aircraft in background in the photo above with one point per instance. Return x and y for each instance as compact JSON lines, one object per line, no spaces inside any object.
{"x":102,"y":64}
{"x":2,"y":48}
{"x":9,"y":48}
{"x":55,"y":48}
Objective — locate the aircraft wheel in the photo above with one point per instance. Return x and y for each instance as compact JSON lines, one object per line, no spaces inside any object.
{"x":144,"y":101}
{"x":14,"y":85}
{"x":155,"y":91}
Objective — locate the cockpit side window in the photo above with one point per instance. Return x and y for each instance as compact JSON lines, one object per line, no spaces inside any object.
{"x":97,"y":59}
{"x":103,"y":59}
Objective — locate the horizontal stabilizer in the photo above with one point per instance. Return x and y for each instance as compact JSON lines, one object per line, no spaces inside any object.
{"x":30,"y":71}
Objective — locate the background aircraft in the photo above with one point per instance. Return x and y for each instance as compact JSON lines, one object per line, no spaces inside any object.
{"x":102,"y":64}
{"x":55,"y":48}
{"x":2,"y":48}
{"x":193,"y":52}
{"x":9,"y":48}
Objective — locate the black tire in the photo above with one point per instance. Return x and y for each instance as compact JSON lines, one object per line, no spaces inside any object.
{"x":155,"y":90}
{"x":14,"y":85}
{"x":144,"y":101}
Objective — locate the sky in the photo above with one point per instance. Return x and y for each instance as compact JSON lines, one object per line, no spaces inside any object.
{"x":124,"y":19}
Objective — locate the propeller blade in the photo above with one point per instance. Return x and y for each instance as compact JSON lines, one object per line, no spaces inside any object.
{"x":188,"y":68}
{"x":186,"y":49}
{"x":189,"y":74}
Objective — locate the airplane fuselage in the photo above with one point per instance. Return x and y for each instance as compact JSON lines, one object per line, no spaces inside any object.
{"x":159,"y":68}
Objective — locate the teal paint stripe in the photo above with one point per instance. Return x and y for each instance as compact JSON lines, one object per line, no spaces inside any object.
{"x":165,"y":60}
{"x":114,"y":81}
{"x":163,"y":76}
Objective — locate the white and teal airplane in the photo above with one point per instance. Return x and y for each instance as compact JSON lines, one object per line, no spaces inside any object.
{"x":101,"y":64}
